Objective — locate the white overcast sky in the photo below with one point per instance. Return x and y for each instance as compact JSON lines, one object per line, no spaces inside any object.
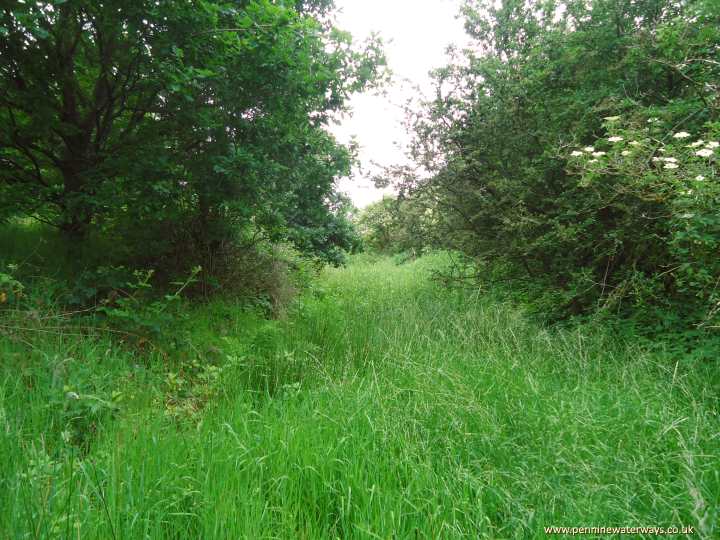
{"x":416,"y":34}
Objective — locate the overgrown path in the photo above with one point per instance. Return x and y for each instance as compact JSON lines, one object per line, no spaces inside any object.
{"x":387,"y":407}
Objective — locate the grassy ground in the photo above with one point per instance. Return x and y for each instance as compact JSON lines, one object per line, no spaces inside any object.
{"x":382,"y":407}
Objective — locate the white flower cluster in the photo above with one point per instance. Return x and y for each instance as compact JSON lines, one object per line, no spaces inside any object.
{"x":709,"y":149}
{"x":705,"y":149}
{"x":670,"y":162}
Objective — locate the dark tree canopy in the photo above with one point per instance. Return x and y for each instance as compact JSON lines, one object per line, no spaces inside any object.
{"x":207,"y":113}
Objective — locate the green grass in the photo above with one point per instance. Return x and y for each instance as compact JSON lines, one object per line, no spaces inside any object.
{"x":382,"y":407}
{"x":37,"y":248}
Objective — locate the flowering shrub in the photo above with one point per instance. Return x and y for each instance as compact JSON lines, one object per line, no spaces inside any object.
{"x":669,"y":180}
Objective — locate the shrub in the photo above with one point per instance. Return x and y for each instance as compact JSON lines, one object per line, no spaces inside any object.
{"x":11,"y":289}
{"x":660,"y":192}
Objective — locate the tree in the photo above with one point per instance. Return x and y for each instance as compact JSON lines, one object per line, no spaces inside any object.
{"x":539,"y":81}
{"x":393,"y":225}
{"x":208,"y":113}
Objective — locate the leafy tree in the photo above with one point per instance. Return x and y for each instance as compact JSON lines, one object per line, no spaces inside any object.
{"x":203,"y":116}
{"x":330,"y":233}
{"x":539,"y":81}
{"x":394,"y":225}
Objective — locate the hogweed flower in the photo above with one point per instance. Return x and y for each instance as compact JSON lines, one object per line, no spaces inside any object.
{"x":713,"y":144}
{"x":611,"y":118}
{"x":625,"y":153}
{"x":634,"y":143}
{"x":576,"y":153}
{"x":705,"y":152}
{"x":598,"y":154}
{"x":615,"y":139}
{"x":593,"y":161}
{"x":671,"y":166}
{"x":699,"y":178}
{"x":589,"y":148}
{"x":697,"y":143}
{"x":681,"y":135}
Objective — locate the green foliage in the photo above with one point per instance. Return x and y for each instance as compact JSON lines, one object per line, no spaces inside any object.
{"x":132,"y":311}
{"x":93,"y":287}
{"x":383,"y":405}
{"x":331,"y":236}
{"x":398,"y":225}
{"x":81,"y":414}
{"x":203,"y":119}
{"x":375,"y":224}
{"x":661,"y":186}
{"x":11,"y":289}
{"x":537,"y":85}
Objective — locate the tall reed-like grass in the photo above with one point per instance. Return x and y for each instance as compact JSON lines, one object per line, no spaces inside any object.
{"x":382,"y":406}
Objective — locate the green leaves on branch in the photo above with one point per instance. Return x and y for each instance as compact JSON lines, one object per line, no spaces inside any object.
{"x":207,"y":117}
{"x":531,"y":168}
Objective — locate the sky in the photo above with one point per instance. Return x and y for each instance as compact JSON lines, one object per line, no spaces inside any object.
{"x":416,"y":34}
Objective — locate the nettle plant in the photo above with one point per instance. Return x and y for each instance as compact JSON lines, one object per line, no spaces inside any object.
{"x":11,"y":289}
{"x":665,"y":182}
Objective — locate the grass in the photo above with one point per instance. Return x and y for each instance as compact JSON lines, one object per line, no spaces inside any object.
{"x":382,"y":407}
{"x":36,"y":246}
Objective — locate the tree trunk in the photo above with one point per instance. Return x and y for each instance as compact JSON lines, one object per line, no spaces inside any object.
{"x":76,"y":212}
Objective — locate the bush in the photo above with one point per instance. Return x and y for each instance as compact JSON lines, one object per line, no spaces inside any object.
{"x":660,"y":249}
{"x":11,"y":289}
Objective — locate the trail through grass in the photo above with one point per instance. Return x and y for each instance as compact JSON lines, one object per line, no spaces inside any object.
{"x":383,"y":407}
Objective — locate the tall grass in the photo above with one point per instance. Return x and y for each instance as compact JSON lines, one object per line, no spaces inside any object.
{"x":382,"y":407}
{"x":34,"y":246}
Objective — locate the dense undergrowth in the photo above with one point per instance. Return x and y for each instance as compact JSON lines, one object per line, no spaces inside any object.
{"x":379,"y":405}
{"x":175,"y":362}
{"x":570,"y":152}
